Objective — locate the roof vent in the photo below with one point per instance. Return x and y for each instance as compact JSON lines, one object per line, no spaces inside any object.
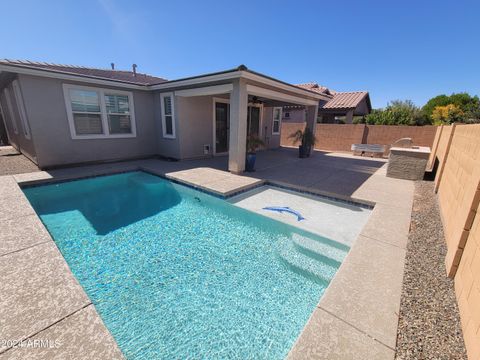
{"x":134,"y":69}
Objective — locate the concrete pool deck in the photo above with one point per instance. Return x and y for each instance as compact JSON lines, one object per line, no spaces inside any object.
{"x":356,"y":318}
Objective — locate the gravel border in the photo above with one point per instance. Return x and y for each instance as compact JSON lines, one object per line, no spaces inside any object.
{"x":12,"y":162}
{"x":429,"y":324}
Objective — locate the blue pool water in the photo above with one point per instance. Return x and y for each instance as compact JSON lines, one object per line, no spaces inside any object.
{"x":176,"y":273}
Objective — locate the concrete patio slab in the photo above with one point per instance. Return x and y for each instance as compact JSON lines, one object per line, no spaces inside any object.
{"x":217,"y":181}
{"x":81,"y":335}
{"x":366,"y":290}
{"x":327,"y":337}
{"x":22,"y":232}
{"x":37,"y":290}
{"x":14,"y":205}
{"x":389,"y":224}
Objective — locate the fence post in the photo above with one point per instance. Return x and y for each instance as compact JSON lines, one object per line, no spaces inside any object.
{"x":431,"y":161}
{"x":445,"y":159}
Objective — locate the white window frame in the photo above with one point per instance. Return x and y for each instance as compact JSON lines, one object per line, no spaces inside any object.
{"x":13,"y":119}
{"x":162,"y":105}
{"x":21,"y":109}
{"x":103,"y":112}
{"x":279,"y":120}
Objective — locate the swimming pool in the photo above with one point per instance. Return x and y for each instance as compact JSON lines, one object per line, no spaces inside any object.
{"x":176,"y":273}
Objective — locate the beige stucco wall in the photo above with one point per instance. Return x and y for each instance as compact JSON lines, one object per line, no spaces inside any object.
{"x":195,"y":119}
{"x":296,"y":115}
{"x":18,"y":140}
{"x":45,"y":106}
{"x":195,"y":116}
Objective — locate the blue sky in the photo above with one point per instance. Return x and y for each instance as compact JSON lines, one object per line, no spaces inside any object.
{"x":394,"y":49}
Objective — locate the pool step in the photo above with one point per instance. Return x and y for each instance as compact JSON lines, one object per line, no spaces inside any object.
{"x":321,"y":251}
{"x":316,"y":270}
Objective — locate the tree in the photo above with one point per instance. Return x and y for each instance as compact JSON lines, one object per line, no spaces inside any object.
{"x":397,"y":112}
{"x":447,"y":114}
{"x":469,"y":105}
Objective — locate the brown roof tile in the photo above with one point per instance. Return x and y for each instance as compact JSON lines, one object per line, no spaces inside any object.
{"x":339,"y":100}
{"x":345,"y":100}
{"x":106,"y":74}
{"x":313,"y":86}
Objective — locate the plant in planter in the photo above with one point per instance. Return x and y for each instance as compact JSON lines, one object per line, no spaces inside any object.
{"x":253,"y":144}
{"x":307,"y":141}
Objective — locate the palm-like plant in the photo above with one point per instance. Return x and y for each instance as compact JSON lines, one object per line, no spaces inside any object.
{"x":253,"y":144}
{"x":306,"y":138}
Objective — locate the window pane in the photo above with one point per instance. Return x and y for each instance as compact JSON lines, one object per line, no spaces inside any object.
{"x":168,"y":125}
{"x":119,"y":124}
{"x":84,"y":101}
{"x":117,"y":104}
{"x":276,"y":114}
{"x":276,"y":127}
{"x":87,"y":124}
{"x":167,"y":105}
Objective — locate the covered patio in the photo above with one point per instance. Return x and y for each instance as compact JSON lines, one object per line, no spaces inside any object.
{"x":245,"y":103}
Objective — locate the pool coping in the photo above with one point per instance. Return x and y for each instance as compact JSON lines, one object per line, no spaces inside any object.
{"x":334,"y":318}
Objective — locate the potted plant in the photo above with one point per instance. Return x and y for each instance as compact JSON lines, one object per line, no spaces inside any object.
{"x":253,"y":144}
{"x":307,"y":141}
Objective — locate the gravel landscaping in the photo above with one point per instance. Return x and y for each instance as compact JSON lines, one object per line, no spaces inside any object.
{"x":429,"y":324}
{"x":12,"y":162}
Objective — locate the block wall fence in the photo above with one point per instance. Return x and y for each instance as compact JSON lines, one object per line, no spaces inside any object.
{"x":340,"y":137}
{"x":457,"y":183}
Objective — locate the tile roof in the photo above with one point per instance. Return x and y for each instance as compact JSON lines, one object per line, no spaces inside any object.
{"x":345,"y":100}
{"x":105,"y":74}
{"x":313,"y":86}
{"x":339,"y":100}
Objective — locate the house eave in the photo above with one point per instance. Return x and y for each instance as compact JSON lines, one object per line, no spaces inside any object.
{"x":69,"y":76}
{"x":195,"y":81}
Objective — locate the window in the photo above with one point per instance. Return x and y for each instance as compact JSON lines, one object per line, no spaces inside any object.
{"x":168,"y":117}
{"x":21,"y":108}
{"x":277,"y":118}
{"x":118,"y":112}
{"x":99,"y":113}
{"x":287,"y":115}
{"x":8,"y":99}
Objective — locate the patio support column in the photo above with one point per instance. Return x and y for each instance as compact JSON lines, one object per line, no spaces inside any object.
{"x":238,"y":127}
{"x":311,"y":118}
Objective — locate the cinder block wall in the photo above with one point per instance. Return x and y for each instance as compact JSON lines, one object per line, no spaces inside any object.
{"x":340,"y":137}
{"x":459,"y":198}
{"x":467,"y":289}
{"x":388,"y":134}
{"x":441,"y":153}
{"x":287,"y":130}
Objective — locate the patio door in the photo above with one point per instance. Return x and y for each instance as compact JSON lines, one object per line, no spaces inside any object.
{"x":253,"y":121}
{"x":222,"y":126}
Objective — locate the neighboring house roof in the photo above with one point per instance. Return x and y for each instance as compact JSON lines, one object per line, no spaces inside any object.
{"x":106,"y":74}
{"x":346,"y":100}
{"x":339,"y":100}
{"x":312,"y":86}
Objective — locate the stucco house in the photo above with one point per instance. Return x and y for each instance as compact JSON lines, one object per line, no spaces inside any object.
{"x":340,"y":107}
{"x":61,"y":115}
